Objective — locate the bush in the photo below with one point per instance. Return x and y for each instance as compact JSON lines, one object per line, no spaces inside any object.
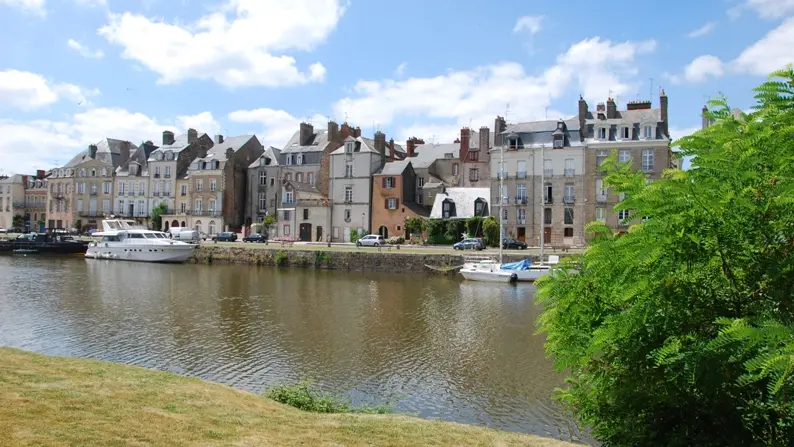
{"x":415,"y":225}
{"x":435,"y":227}
{"x":354,"y":236}
{"x":281,"y":258}
{"x":441,"y":240}
{"x":302,"y":397}
{"x":681,"y":331}
{"x":490,"y":227}
{"x":395,"y":240}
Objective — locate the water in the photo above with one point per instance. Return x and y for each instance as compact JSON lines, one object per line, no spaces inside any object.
{"x":433,"y":347}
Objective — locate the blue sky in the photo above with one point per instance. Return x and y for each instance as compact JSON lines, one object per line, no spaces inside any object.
{"x":75,"y":71}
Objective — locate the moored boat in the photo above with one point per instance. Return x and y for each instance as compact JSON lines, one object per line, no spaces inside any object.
{"x":44,"y":243}
{"x":124,"y":240}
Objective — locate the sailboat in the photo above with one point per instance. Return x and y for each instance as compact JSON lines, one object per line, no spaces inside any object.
{"x":525,"y":270}
{"x":487,"y":270}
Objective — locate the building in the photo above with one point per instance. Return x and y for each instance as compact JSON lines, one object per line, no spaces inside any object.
{"x":216,"y":186}
{"x":171,"y":161}
{"x":394,"y":199}
{"x":542,"y":191}
{"x":262,"y":190}
{"x":94,"y":170}
{"x":352,"y":167}
{"x":12,"y":199}
{"x":35,"y":201}
{"x":305,"y":212}
{"x":131,"y":183}
{"x":639,"y":134}
{"x":460,"y":203}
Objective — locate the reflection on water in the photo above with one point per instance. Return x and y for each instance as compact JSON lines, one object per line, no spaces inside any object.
{"x":435,"y":347}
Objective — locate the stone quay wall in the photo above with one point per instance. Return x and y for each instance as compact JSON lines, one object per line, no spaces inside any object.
{"x":365,"y":260}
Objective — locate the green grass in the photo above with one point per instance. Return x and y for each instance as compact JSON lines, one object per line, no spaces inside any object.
{"x":51,"y":401}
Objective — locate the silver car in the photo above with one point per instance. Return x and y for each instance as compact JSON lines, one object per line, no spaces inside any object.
{"x":371,"y":240}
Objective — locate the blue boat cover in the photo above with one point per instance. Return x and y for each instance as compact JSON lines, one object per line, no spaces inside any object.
{"x":524,"y":264}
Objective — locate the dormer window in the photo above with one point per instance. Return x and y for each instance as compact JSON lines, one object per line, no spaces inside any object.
{"x":288,"y":159}
{"x":513,"y":143}
{"x":558,"y":143}
{"x":602,"y":133}
{"x":625,"y":133}
{"x":349,"y":148}
{"x":647,"y":132}
{"x":300,"y":159}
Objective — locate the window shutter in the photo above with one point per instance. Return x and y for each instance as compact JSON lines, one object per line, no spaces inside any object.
{"x":386,"y":203}
{"x":397,"y":203}
{"x":384,"y":182}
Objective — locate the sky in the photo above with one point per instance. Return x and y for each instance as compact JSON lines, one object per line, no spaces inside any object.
{"x":75,"y":71}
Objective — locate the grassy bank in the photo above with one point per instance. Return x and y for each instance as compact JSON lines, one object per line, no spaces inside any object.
{"x":58,"y":401}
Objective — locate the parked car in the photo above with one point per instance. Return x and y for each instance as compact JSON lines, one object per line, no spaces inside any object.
{"x":189,"y":236}
{"x":513,"y":244}
{"x":469,"y":244}
{"x":371,"y":240}
{"x":255,"y":237}
{"x":226,"y":236}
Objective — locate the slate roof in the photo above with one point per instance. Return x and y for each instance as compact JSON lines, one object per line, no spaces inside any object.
{"x":303,"y":188}
{"x":108,"y":151}
{"x":141,"y":156}
{"x":270,"y":152}
{"x":426,"y":154}
{"x":317,"y":143}
{"x":394,"y":168}
{"x":218,"y":151}
{"x":535,"y":134}
{"x":464,"y":199}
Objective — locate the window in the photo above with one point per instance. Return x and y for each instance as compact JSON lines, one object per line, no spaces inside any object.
{"x":183,"y":192}
{"x":300,"y":159}
{"x":522,"y":216}
{"x":262,"y":178}
{"x":93,"y":188}
{"x":107,"y":187}
{"x":479,"y":207}
{"x":347,"y":215}
{"x":262,"y":199}
{"x":504,"y":215}
{"x":601,"y":193}
{"x":647,"y":160}
{"x":213,"y":185}
{"x":600,"y":157}
{"x":624,"y":133}
{"x":647,"y":132}
{"x":167,"y":172}
{"x":122,"y":187}
{"x":602,"y":133}
{"x":601,"y":214}
{"x":568,"y":232}
{"x":474,"y":175}
{"x":547,"y":193}
{"x":299,"y":177}
{"x":288,"y":160}
{"x":521,"y":169}
{"x":420,"y":198}
{"x":80,"y":188}
{"x":93,"y":173}
{"x":199,"y":185}
{"x":106,"y":206}
{"x":348,"y":193}
{"x":568,"y":216}
{"x":521,"y":193}
{"x":199,"y":206}
{"x":157,"y":171}
{"x":167,"y":188}
{"x":624,"y":156}
{"x":349,"y":148}
{"x":142,"y":189}
{"x":103,"y":172}
{"x":286,"y":227}
{"x":455,"y":169}
{"x":82,"y":172}
{"x":391,"y":203}
{"x":569,"y":195}
{"x":272,"y":181}
{"x":183,"y":207}
{"x":513,"y":143}
{"x":474,"y":156}
{"x":388,"y":182}
{"x":211,"y":227}
{"x":558,"y":142}
{"x":305,"y":214}
{"x":212,"y":206}
{"x":310,"y":176}
{"x":621,"y":197}
{"x":287,"y":215}
{"x":289,"y":196}
{"x":548,"y":169}
{"x":623,"y":215}
{"x":349,"y":170}
{"x":420,"y":182}
{"x":80,"y":204}
{"x":569,"y":169}
{"x":504,"y":196}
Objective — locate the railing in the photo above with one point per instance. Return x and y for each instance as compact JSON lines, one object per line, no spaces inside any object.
{"x":568,"y":199}
{"x":288,"y":202}
{"x":521,"y":174}
{"x":521,"y":221}
{"x":502,"y":176}
{"x":570,"y":172}
{"x":156,"y":175}
{"x":521,"y":200}
{"x":167,"y":176}
{"x":93,"y":193}
{"x":548,"y":200}
{"x":156,"y":194}
{"x":601,"y":197}
{"x":548,"y":172}
{"x":34,"y":205}
{"x":505,"y":200}
{"x":312,"y":202}
{"x":206,"y":213}
{"x":131,"y":193}
{"x":90,"y":213}
{"x":18,"y":204}
{"x":121,"y":193}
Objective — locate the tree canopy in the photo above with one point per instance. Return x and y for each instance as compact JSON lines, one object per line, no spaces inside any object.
{"x":681,"y":331}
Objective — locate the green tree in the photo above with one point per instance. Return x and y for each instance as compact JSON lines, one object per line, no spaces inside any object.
{"x":474,"y":226}
{"x":415,"y":225}
{"x":354,"y":235}
{"x":490,"y":228}
{"x":681,"y":332}
{"x":267,"y":223}
{"x":18,"y":221}
{"x":157,"y":215}
{"x":455,"y":229}
{"x":435,"y":227}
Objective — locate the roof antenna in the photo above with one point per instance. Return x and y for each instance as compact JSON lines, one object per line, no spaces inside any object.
{"x":650,"y":90}
{"x":546,"y":112}
{"x":345,"y":117}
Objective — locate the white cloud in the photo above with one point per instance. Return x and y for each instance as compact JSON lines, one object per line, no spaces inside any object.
{"x":703,"y":30}
{"x":400,"y":71}
{"x":596,"y":66}
{"x":770,"y":9}
{"x":770,"y":53}
{"x":203,"y":122}
{"x":531,"y":24}
{"x":703,"y":67}
{"x":35,"y":7}
{"x":239,"y":51}
{"x":680,"y":132}
{"x":92,"y":3}
{"x":277,"y":126}
{"x":83,"y":50}
{"x":28,"y":91}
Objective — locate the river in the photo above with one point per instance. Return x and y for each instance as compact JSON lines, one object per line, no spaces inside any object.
{"x":430,"y":346}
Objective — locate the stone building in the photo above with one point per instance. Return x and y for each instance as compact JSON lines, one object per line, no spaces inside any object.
{"x":394,"y":199}
{"x":131,"y":184}
{"x":35,"y":216}
{"x":12,"y":199}
{"x":262,"y":190}
{"x":60,"y":197}
{"x":305,"y":212}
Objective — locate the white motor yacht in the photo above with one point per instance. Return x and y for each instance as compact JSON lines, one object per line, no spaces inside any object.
{"x":125,"y":241}
{"x":487,"y":271}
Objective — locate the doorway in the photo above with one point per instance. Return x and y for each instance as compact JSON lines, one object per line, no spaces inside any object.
{"x":305,"y":232}
{"x":383,"y":231}
{"x":175,"y":223}
{"x":319,"y":234}
{"x":131,"y":210}
{"x":522,"y":234}
{"x":547,"y":235}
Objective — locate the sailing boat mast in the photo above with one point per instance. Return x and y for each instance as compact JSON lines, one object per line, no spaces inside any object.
{"x":543,"y":196}
{"x":501,"y":198}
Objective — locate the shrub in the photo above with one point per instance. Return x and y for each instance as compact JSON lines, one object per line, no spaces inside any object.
{"x":490,"y":227}
{"x":302,"y":397}
{"x":395,"y":240}
{"x":354,"y":236}
{"x":281,"y":258}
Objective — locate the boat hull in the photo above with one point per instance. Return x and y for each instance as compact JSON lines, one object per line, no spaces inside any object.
{"x":57,"y":248}
{"x":531,"y":274}
{"x":159,"y":253}
{"x":488,"y":275}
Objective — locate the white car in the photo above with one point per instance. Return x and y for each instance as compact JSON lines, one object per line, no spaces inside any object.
{"x":371,"y":240}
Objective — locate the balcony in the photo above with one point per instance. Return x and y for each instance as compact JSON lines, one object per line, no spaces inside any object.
{"x":35,"y":205}
{"x":521,"y":200}
{"x":312,"y":202}
{"x":521,"y":221}
{"x":570,"y":172}
{"x":521,"y":174}
{"x":131,"y":193}
{"x":93,"y":193}
{"x":548,"y":200}
{"x":601,"y":197}
{"x":288,"y":202}
{"x":90,"y":213}
{"x":502,"y":176}
{"x":548,"y":172}
{"x":156,"y":194}
{"x":156,"y":175}
{"x":121,"y":193}
{"x":167,"y":175}
{"x":505,"y":201}
{"x":569,"y":200}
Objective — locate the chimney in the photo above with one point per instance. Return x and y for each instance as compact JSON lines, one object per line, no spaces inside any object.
{"x":357,"y":132}
{"x":192,"y":136}
{"x":345,"y":131}
{"x":704,"y":118}
{"x":380,"y":142}
{"x":663,"y":106}
{"x":485,"y":139}
{"x":638,"y":105}
{"x":218,"y":139}
{"x":612,"y":109}
{"x":411,"y":145}
{"x":463,"y":153}
{"x":499,"y":126}
{"x":333,"y":131}
{"x":582,"y":117}
{"x":168,"y":137}
{"x":306,"y":134}
{"x":40,"y":173}
{"x":392,"y":152}
{"x":229,"y":153}
{"x":92,"y":151}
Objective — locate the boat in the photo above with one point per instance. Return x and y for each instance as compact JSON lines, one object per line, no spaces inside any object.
{"x":44,"y":243}
{"x":125,"y":241}
{"x":486,"y":269}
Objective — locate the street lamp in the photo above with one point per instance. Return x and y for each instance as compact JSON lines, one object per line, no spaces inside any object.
{"x":362,"y":222}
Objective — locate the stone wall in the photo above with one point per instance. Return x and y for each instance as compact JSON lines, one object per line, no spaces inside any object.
{"x":365,"y":260}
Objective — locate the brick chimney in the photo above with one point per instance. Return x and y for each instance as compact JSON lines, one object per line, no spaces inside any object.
{"x":306,"y":134}
{"x":357,"y":132}
{"x":663,"y":107}
{"x":612,"y":109}
{"x":638,"y":105}
{"x":463,"y":153}
{"x":582,"y":117}
{"x":345,"y":131}
{"x":499,"y":126}
{"x":333,"y":131}
{"x":410,"y":145}
{"x":92,"y":150}
{"x":380,"y":142}
{"x":218,"y":139}
{"x":485,"y":139}
{"x":40,"y":173}
{"x":168,"y":137}
{"x":192,"y":136}
{"x":392,"y":152}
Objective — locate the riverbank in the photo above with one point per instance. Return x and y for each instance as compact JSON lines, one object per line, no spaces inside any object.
{"x":60,"y":401}
{"x":365,"y":259}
